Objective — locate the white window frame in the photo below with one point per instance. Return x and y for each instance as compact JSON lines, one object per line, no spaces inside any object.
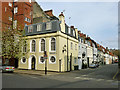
{"x":15,"y":10}
{"x":15,"y":24}
{"x":31,"y":46}
{"x":75,"y":46}
{"x":30,"y":1}
{"x":40,"y":61}
{"x":39,"y":27}
{"x":40,"y":45}
{"x":69,"y":30}
{"x":73,"y":33}
{"x":22,"y":60}
{"x":50,"y":60}
{"x":30,"y":29}
{"x":48,"y":26}
{"x":50,"y":44}
{"x":15,"y":0}
{"x":10,"y":4}
{"x":5,"y":9}
{"x":10,"y":18}
{"x":23,"y":48}
{"x":75,"y":61}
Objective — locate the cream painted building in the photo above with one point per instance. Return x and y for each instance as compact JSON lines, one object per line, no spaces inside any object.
{"x":58,"y":40}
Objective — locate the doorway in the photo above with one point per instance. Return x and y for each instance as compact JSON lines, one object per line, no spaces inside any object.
{"x":33,"y":63}
{"x":71,"y":62}
{"x":88,"y":61}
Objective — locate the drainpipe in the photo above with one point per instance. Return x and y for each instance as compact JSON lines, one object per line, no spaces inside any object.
{"x":67,"y":52}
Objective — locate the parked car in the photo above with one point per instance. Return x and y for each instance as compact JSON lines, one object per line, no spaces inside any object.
{"x":93,"y":65}
{"x":7,"y":68}
{"x":116,"y":61}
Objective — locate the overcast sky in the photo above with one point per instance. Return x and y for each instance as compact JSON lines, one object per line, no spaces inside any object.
{"x":99,"y":20}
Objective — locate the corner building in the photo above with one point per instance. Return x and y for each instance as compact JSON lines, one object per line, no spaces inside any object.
{"x":57,"y":39}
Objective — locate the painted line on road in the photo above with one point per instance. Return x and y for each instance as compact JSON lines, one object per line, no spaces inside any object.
{"x":115,"y":75}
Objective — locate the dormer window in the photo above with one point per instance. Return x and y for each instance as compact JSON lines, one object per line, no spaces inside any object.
{"x":48,"y":26}
{"x":81,"y":40}
{"x":30,"y":29}
{"x":69,"y":30}
{"x":39,"y":27}
{"x":73,"y":33}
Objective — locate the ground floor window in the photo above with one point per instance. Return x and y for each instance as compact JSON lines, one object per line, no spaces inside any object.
{"x":23,"y":60}
{"x":41,"y":60}
{"x":52,"y":59}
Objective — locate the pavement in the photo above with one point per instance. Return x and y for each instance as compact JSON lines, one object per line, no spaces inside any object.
{"x":35,"y":72}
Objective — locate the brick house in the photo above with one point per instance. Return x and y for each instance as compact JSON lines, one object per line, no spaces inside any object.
{"x":17,"y":14}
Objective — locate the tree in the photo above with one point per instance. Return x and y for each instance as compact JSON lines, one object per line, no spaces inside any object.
{"x":12,"y":44}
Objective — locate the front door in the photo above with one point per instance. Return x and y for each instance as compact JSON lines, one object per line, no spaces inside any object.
{"x":33,"y":63}
{"x":88,"y":61}
{"x":71,"y":62}
{"x":80,"y":62}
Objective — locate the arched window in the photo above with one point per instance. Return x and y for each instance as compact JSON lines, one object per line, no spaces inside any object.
{"x":52,"y":59}
{"x":42,"y":45}
{"x":33,"y":45}
{"x":53,"y":42}
{"x":25,"y":47}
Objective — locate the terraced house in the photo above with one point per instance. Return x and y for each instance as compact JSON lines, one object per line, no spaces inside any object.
{"x":58,"y":40}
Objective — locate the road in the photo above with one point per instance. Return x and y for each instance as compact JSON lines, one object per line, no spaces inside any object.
{"x":86,"y":78}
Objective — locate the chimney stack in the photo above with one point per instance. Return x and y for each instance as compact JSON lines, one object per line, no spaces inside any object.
{"x":62,"y":24}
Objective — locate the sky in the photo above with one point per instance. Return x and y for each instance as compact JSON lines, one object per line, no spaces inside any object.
{"x":98,"y":20}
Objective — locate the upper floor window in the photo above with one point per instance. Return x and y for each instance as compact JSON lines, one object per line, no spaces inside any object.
{"x":48,"y":26}
{"x":71,"y":45}
{"x":15,"y":24}
{"x":73,"y":33}
{"x":30,"y":1}
{"x":53,"y":44}
{"x":69,"y":30}
{"x":33,"y":46}
{"x":25,"y":47}
{"x":10,"y":4}
{"x":39,"y":27}
{"x":10,"y":18}
{"x":42,"y":45}
{"x":30,"y":29}
{"x":79,"y":47}
{"x":5,"y":9}
{"x":75,"y":60}
{"x":15,"y":0}
{"x":88,"y":43}
{"x":82,"y":40}
{"x":15,"y":9}
{"x":27,"y":19}
{"x":75,"y":46}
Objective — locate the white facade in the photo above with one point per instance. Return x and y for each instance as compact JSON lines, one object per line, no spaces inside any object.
{"x":90,"y":54}
{"x":82,"y":54}
{"x":94,"y":53}
{"x":107,"y":58}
